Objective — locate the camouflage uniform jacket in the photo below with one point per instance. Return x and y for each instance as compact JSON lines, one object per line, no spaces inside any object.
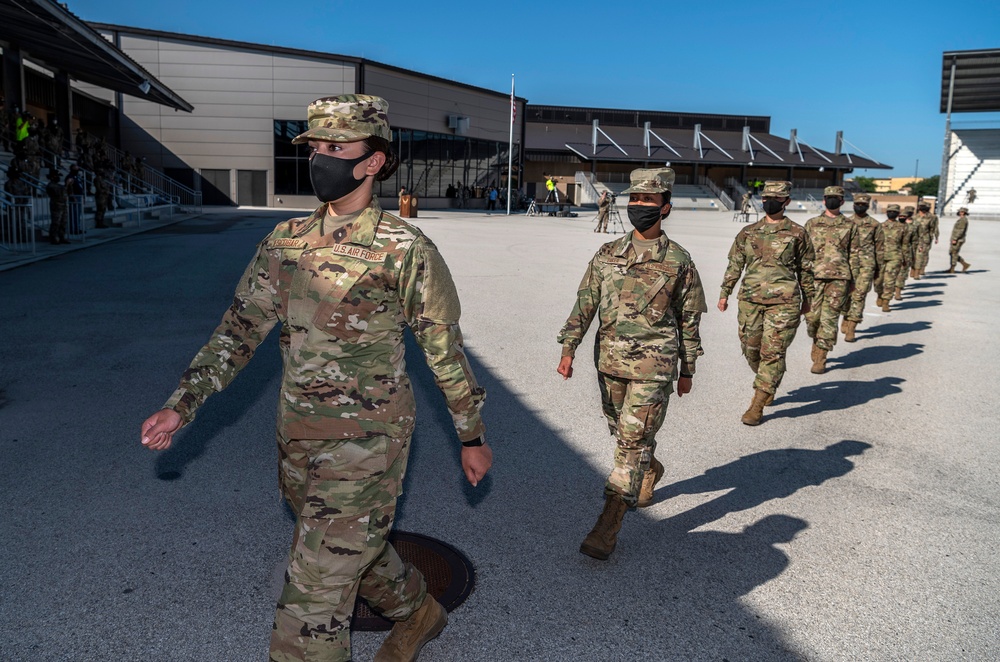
{"x":909,"y":240}
{"x":649,"y":307}
{"x":838,"y":248}
{"x":958,"y":232}
{"x":867,"y":227}
{"x":891,"y":241}
{"x":343,"y":298}
{"x":928,"y":224}
{"x":57,"y":195}
{"x":778,"y":260}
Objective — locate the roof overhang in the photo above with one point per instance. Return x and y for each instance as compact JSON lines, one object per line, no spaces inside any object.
{"x":49,"y":34}
{"x":977,"y":81}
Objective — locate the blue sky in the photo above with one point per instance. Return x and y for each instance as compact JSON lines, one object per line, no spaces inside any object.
{"x":871,"y":69}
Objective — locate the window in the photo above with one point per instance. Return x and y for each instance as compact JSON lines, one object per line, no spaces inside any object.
{"x":428,"y":162}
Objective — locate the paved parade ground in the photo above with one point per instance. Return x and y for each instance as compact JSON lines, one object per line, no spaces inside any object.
{"x":860,"y":521}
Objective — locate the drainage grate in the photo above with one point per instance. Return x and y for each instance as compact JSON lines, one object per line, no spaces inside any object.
{"x":450,"y":577}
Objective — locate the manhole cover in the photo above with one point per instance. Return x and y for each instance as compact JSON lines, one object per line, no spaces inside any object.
{"x":450,"y":577}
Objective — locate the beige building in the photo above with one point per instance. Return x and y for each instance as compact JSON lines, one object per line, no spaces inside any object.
{"x":250,"y":100}
{"x":890,"y":184}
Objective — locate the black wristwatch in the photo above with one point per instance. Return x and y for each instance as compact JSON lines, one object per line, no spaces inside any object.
{"x":478,"y":441}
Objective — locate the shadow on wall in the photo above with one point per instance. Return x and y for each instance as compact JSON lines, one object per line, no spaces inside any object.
{"x":214,"y":184}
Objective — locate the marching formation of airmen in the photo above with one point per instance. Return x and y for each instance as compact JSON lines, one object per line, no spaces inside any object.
{"x":645,"y":293}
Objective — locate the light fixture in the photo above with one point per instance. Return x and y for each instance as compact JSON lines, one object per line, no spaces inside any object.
{"x":821,"y":168}
{"x":144,"y":87}
{"x":667,"y":164}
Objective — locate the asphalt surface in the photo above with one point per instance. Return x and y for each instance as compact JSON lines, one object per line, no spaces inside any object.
{"x":859,"y":522}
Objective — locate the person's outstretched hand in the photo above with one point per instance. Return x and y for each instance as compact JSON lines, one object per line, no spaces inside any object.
{"x":158,"y":430}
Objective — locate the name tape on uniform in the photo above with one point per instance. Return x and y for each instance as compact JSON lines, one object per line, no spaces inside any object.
{"x":287,"y":243}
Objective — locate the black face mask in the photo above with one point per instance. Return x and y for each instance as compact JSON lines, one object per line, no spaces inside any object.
{"x":643,"y":217}
{"x":892,"y":215}
{"x":333,"y":178}
{"x":833,"y":204}
{"x":773,"y":207}
{"x":860,"y":210}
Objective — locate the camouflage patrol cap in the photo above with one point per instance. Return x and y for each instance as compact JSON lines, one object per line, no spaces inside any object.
{"x":837,"y":191}
{"x":651,"y":180}
{"x":892,"y":207}
{"x":862,"y":197}
{"x":909,"y":209}
{"x":347,"y":118}
{"x":773,"y":189}
{"x":961,"y":209}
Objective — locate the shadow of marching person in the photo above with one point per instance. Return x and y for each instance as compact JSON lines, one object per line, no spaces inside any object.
{"x":874,"y":356}
{"x":909,"y":304}
{"x":921,"y":293}
{"x":703,"y":577}
{"x":892,"y":329}
{"x":831,"y":396}
{"x":758,"y":478}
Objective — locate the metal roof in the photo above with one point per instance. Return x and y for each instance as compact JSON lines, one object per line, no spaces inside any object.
{"x":977,"y":81}
{"x":51,"y":35}
{"x":727,"y":150}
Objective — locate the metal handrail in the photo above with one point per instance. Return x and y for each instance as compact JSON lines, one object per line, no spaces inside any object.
{"x":588,"y":192}
{"x":16,"y":229}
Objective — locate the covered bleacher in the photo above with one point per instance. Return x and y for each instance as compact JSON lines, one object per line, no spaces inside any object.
{"x":46,"y":124}
{"x":970,"y":170}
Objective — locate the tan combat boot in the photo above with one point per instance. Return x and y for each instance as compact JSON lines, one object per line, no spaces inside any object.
{"x":753,"y":415}
{"x":843,"y":325}
{"x":899,"y":294}
{"x":601,"y":541}
{"x":649,"y":481}
{"x":849,"y":333}
{"x":885,"y":305}
{"x":770,"y":400}
{"x":951,"y":269}
{"x":407,"y":637}
{"x":819,"y":361}
{"x":965,"y":265}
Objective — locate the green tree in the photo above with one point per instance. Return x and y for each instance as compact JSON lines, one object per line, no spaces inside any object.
{"x":927,"y":186}
{"x":867,"y":184}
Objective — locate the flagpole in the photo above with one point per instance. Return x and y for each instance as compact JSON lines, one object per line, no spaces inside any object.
{"x":510,"y":141}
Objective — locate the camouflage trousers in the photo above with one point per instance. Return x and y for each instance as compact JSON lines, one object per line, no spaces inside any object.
{"x":344,"y":495}
{"x":854,"y":306}
{"x":635,"y":410}
{"x":885,"y":283}
{"x":766,"y":331}
{"x":824,"y":311}
{"x":953,"y":254}
{"x":921,"y":254}
{"x":57,"y":226}
{"x":602,"y":220}
{"x":904,"y":270}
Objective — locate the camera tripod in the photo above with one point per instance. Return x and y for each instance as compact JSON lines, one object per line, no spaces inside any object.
{"x":614,"y":222}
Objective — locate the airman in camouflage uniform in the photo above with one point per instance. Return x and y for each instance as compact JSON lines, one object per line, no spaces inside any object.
{"x":777,"y":257}
{"x":57,"y":208}
{"x":958,"y":240}
{"x":647,"y":295}
{"x":838,"y":264}
{"x":866,"y":226}
{"x":102,"y":195}
{"x":889,"y":250}
{"x":927,"y":229}
{"x":909,"y":251}
{"x":344,"y":282}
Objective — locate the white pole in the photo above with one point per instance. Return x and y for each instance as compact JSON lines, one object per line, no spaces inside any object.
{"x":510,"y":142}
